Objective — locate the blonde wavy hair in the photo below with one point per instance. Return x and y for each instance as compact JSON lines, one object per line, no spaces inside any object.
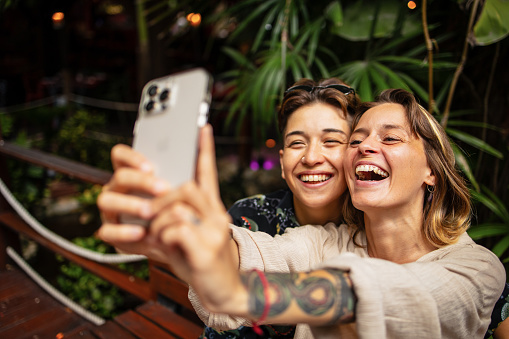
{"x":447,"y":214}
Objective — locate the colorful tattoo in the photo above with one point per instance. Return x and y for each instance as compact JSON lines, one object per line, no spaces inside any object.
{"x":315,"y":293}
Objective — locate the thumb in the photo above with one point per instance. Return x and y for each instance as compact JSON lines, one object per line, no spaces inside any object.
{"x":206,"y":171}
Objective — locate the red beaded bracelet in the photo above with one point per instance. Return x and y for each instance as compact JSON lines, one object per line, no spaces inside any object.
{"x":266,"y":307}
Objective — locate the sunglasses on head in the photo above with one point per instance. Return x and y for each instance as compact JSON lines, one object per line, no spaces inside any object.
{"x":342,"y":88}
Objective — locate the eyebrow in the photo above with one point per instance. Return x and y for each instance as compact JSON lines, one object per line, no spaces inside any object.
{"x":326,"y":130}
{"x":384,"y":127}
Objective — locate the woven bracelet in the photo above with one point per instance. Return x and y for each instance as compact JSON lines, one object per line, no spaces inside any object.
{"x":266,"y":307}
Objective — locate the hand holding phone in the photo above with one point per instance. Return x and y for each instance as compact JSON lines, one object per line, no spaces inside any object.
{"x":171,"y":112}
{"x":172,"y":109}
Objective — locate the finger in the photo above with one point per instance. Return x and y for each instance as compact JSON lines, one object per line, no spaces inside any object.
{"x":185,"y":236}
{"x":112,"y":204}
{"x":132,"y":180}
{"x":206,"y":172}
{"x":189,"y":194}
{"x":126,"y":156}
{"x":113,"y":233}
{"x":173,"y":215}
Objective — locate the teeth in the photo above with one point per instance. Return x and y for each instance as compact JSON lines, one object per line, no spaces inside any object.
{"x":314,"y":177}
{"x":371,"y":168}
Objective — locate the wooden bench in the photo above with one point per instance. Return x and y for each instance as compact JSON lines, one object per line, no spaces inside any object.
{"x":151,"y":319}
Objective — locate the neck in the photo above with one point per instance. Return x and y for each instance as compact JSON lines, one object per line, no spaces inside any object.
{"x":396,"y":235}
{"x":310,"y":215}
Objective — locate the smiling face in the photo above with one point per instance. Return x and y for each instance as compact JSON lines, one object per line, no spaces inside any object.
{"x":385,"y":164}
{"x":315,"y":140}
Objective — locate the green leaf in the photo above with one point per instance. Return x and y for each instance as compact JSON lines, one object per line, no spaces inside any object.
{"x":313,"y":41}
{"x":334,"y":13}
{"x":269,"y":18}
{"x":395,"y":80}
{"x":487,"y":230}
{"x":238,"y":57}
{"x":415,"y":86}
{"x":492,"y":25}
{"x":258,"y":10}
{"x":463,"y":164}
{"x":490,"y":204}
{"x":465,"y":123}
{"x":501,"y":246}
{"x":475,"y":142}
{"x":501,"y":206}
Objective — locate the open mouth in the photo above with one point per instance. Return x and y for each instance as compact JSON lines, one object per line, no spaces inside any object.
{"x":314,"y":178}
{"x":370,"y":173}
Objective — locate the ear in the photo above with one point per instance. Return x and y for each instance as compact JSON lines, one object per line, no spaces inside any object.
{"x":281,"y":164}
{"x":430,"y":178}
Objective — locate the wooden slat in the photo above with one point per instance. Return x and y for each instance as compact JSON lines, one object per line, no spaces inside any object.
{"x":129,"y":283}
{"x":169,"y":320}
{"x":112,"y":330}
{"x":30,"y":312}
{"x":163,"y":282}
{"x":79,"y":333}
{"x":141,"y":327}
{"x":72,"y":168}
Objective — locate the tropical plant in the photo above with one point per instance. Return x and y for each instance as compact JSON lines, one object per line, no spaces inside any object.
{"x":371,"y":45}
{"x":92,"y":292}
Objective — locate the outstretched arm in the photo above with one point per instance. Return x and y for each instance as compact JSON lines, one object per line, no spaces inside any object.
{"x":319,"y":297}
{"x":193,"y":223}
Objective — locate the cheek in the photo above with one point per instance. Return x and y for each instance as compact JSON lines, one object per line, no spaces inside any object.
{"x":348,"y":159}
{"x":288,"y":163}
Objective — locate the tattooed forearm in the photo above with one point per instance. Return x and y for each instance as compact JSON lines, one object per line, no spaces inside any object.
{"x":325,"y":294}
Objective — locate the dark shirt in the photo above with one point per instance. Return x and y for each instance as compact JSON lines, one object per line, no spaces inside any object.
{"x":271,"y":213}
{"x":500,"y":312}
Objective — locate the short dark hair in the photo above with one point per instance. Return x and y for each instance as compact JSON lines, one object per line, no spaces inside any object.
{"x":296,"y":99}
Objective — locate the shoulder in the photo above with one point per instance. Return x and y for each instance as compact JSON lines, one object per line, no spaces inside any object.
{"x":258,"y":200}
{"x":464,"y":251}
{"x":271,"y":213}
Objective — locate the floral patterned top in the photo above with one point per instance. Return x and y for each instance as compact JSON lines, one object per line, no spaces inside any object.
{"x":500,"y":312}
{"x":271,"y":213}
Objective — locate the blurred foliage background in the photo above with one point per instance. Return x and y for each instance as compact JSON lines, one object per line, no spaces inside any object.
{"x":71,"y":85}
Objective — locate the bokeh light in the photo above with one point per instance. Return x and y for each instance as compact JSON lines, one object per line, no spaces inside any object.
{"x":58,"y":19}
{"x":412,"y":5}
{"x":194,"y":19}
{"x":270,"y":143}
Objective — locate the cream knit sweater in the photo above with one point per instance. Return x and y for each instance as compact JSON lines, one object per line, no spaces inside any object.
{"x":448,"y":293}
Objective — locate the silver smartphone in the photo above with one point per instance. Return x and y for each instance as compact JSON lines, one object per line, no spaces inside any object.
{"x":172,"y":110}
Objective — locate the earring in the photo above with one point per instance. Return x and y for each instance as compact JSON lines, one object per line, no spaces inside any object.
{"x":430,"y":189}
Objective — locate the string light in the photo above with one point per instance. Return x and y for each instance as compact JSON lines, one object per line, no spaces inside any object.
{"x":194,"y":19}
{"x":58,"y":19}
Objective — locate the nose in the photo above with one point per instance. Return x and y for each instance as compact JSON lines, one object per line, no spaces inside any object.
{"x":313,"y":155}
{"x":368,"y":146}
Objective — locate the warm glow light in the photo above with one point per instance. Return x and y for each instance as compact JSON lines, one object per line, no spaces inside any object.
{"x":270,"y":143}
{"x":412,"y":4}
{"x":194,"y":19}
{"x":57,"y":17}
{"x":114,"y":9}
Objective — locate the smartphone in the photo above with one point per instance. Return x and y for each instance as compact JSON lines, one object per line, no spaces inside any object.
{"x":171,"y":112}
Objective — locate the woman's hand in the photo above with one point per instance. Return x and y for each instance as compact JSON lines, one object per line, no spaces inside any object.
{"x":194,"y":225}
{"x":133,"y":173}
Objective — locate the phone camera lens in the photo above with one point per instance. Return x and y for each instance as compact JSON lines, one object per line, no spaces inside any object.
{"x":152,"y":90}
{"x":149,"y":106}
{"x":164,"y":95}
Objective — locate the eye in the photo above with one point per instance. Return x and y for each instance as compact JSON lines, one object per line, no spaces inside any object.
{"x":333,"y":142}
{"x":390,"y":139}
{"x":355,"y":142}
{"x":295,"y":144}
